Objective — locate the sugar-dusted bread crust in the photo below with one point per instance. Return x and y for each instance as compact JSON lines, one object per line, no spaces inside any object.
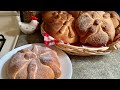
{"x":36,"y":63}
{"x":36,"y":70}
{"x":95,"y":28}
{"x":76,"y":13}
{"x":115,"y":18}
{"x":60,"y":25}
{"x":50,"y":58}
{"x":48,"y":14}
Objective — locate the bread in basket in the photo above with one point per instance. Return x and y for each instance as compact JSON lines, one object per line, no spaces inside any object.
{"x":63,"y":27}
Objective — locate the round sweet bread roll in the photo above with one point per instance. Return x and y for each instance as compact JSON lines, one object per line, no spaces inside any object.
{"x":48,"y":57}
{"x":60,"y":25}
{"x":48,"y":14}
{"x":115,"y":18}
{"x":95,"y":28}
{"x":75,"y":13}
{"x":36,"y":63}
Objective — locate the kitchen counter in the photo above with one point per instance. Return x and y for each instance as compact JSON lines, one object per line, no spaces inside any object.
{"x":9,"y":29}
{"x":92,"y":67}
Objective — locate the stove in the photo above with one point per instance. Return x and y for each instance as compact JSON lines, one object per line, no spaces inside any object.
{"x":9,"y":31}
{"x":2,"y":41}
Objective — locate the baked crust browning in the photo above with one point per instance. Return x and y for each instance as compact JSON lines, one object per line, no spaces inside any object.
{"x":38,"y":63}
{"x":95,"y":28}
{"x":60,"y":25}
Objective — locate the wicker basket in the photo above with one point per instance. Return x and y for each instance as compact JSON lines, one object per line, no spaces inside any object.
{"x":85,"y":50}
{"x":27,"y":15}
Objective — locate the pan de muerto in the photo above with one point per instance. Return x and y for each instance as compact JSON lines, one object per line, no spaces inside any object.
{"x":95,"y":28}
{"x":36,"y":63}
{"x":60,"y":25}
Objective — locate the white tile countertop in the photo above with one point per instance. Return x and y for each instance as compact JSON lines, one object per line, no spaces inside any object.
{"x":9,"y":28}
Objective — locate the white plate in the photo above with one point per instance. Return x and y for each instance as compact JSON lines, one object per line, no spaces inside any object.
{"x":66,"y":65}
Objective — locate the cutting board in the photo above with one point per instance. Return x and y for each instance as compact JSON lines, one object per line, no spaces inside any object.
{"x":10,"y":29}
